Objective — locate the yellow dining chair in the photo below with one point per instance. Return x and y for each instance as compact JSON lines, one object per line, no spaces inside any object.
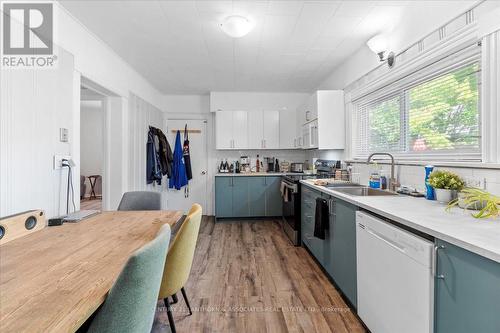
{"x":179,"y":261}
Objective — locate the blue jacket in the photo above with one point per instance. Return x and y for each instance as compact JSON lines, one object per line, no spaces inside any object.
{"x":179,"y":177}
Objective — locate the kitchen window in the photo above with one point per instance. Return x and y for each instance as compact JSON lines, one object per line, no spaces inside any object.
{"x":431,"y":115}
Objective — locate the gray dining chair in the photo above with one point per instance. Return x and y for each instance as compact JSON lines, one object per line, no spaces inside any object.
{"x":131,"y":302}
{"x":140,"y":200}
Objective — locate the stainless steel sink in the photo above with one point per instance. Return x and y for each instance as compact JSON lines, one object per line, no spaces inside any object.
{"x":336,"y":185}
{"x":364,"y":191}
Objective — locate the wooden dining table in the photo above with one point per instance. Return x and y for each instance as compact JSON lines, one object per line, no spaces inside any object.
{"x":54,"y":279}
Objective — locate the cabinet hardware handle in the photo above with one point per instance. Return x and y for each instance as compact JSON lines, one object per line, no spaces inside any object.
{"x":436,"y":249}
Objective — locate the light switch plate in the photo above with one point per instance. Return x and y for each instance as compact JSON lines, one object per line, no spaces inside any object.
{"x":63,"y":134}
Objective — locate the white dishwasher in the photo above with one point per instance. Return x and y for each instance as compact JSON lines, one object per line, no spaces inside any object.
{"x":395,"y":277}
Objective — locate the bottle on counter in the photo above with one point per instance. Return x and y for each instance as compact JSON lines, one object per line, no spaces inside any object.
{"x":383,"y":181}
{"x":375,"y":180}
{"x":430,"y":195}
{"x":257,"y":164}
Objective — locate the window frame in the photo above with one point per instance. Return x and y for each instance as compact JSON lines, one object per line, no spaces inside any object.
{"x":402,"y":89}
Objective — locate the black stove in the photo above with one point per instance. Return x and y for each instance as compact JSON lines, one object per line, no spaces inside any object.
{"x":290,"y":184}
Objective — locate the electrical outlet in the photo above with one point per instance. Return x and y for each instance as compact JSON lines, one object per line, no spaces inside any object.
{"x":473,"y":182}
{"x":58,"y":160}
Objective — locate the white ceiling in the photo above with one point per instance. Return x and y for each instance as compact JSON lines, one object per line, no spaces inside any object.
{"x":179,"y":48}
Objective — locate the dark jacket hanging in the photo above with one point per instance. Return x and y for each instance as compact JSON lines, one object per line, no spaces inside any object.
{"x":166,"y":156}
{"x":185,"y":153}
{"x":153,"y":165}
{"x":179,"y":178}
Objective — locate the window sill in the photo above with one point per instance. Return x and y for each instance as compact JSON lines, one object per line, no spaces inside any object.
{"x":451,"y":164}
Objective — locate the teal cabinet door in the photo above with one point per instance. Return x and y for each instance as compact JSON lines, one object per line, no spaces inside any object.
{"x":223,"y":196}
{"x":240,"y":197}
{"x":342,"y":248}
{"x":257,"y":196}
{"x":308,"y":206}
{"x":467,"y":291}
{"x":274,"y":203}
{"x":306,"y":220}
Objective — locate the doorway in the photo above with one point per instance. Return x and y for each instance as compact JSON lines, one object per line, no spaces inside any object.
{"x":197,"y":190}
{"x":92,"y":125}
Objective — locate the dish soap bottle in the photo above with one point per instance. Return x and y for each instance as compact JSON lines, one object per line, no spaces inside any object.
{"x":374,"y":181}
{"x":430,"y":190}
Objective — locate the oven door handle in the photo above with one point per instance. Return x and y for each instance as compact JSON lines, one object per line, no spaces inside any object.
{"x":292,"y":187}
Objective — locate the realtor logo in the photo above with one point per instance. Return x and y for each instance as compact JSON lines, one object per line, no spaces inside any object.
{"x":27,"y":34}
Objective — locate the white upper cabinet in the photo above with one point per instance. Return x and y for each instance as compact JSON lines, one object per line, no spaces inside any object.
{"x":240,"y":130}
{"x":271,"y":129}
{"x":323,"y":120}
{"x":231,"y":130}
{"x":263,"y":129}
{"x":288,"y":130}
{"x":255,"y":130}
{"x":223,"y":130}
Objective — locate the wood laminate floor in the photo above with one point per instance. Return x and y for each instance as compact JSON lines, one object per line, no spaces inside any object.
{"x":247,"y":277}
{"x":94,"y":204}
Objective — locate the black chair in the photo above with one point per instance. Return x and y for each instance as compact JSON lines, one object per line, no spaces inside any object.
{"x":140,"y":200}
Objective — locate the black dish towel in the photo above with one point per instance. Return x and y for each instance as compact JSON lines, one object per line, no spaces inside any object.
{"x":321,"y":218}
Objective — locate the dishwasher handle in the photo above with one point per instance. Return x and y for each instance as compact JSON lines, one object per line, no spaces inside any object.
{"x":382,"y":238}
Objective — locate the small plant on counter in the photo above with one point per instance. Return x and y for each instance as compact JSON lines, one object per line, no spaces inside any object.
{"x":447,"y":184}
{"x":474,"y":198}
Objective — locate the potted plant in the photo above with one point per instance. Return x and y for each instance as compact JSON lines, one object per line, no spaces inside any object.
{"x":446,"y":184}
{"x":487,"y":204}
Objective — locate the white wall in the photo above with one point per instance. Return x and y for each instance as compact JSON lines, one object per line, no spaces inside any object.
{"x":98,"y":62}
{"x":142,"y":115}
{"x":410,"y":29}
{"x":91,"y":139}
{"x":256,"y":101}
{"x":36,"y":103}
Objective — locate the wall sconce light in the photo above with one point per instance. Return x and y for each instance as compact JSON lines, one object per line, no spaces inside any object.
{"x":378,"y":45}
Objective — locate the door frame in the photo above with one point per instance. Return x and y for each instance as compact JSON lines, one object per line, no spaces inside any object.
{"x":107,"y":107}
{"x":209,"y":142}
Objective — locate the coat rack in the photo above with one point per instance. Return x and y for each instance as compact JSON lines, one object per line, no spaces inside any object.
{"x":189,"y":131}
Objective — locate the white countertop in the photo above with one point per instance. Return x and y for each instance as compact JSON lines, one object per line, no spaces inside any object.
{"x":458,"y":227}
{"x":252,"y":174}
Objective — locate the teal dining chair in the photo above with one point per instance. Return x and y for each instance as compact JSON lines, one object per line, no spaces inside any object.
{"x":131,"y":303}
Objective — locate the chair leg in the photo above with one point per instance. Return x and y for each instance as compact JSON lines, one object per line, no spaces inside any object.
{"x":170,"y":316}
{"x":186,"y":300}
{"x":174,"y":299}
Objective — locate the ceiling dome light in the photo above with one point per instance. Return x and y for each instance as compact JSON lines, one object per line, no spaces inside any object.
{"x":236,"y":26}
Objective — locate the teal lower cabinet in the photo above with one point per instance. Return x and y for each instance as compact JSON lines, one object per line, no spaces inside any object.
{"x":247,"y":196}
{"x":308,"y":208}
{"x":467,"y":291}
{"x":241,"y":207}
{"x":337,"y":252}
{"x":342,"y":248}
{"x":257,"y":196}
{"x":274,"y":203}
{"x":224,"y":196}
